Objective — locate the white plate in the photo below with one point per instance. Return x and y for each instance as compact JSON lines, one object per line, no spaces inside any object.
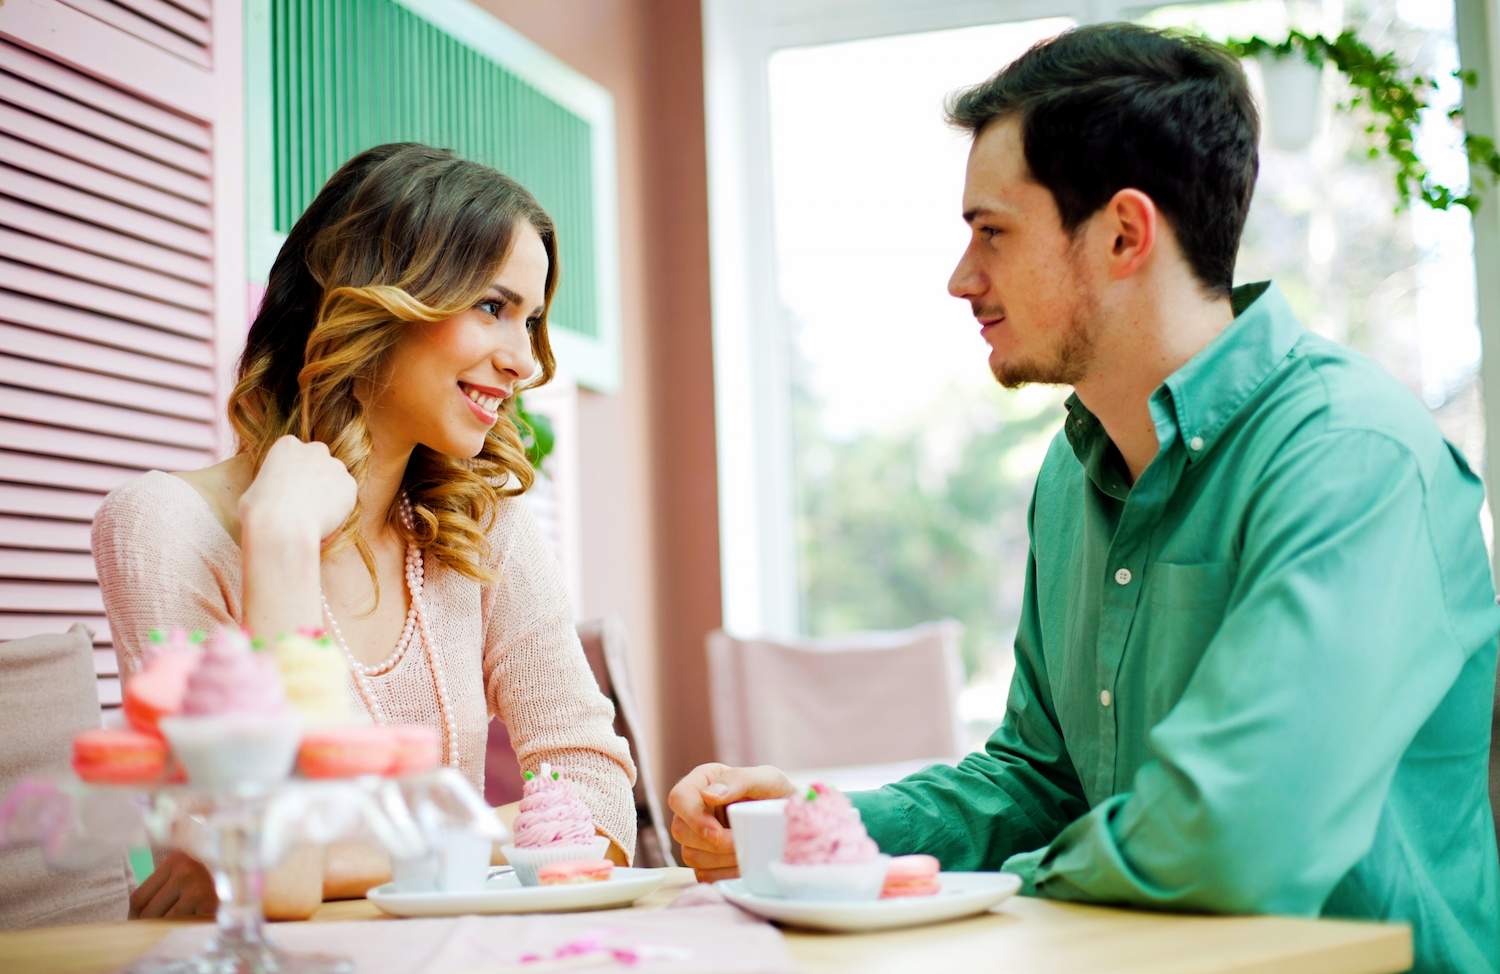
{"x":505,"y":894}
{"x":963,"y":894}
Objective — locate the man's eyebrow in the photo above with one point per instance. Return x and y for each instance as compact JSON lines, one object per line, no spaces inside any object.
{"x":974,"y":212}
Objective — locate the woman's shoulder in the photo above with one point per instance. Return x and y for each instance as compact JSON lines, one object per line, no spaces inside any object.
{"x":154,"y":507}
{"x":512,"y":529}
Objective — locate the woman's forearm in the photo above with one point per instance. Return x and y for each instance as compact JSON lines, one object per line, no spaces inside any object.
{"x":282,"y":582}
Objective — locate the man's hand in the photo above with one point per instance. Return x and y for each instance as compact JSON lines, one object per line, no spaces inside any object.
{"x":699,"y":821}
{"x":180,"y":887}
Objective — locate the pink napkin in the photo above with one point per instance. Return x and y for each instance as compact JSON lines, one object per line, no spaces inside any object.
{"x":712,"y":937}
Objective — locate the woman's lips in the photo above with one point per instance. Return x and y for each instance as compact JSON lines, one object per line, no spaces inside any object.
{"x":485,"y":415}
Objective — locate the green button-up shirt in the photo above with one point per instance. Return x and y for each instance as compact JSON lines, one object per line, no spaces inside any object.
{"x":1259,"y":679}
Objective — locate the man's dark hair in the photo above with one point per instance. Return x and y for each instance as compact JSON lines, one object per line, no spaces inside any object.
{"x":1114,"y":106}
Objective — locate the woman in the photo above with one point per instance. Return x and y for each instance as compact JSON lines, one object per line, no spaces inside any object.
{"x":374,"y":491}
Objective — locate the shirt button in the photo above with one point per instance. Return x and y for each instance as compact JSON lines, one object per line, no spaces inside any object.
{"x":1104,"y":698}
{"x":1122,"y":577}
{"x":1195,"y":444}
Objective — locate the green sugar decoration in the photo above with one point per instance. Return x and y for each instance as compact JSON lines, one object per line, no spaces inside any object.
{"x":198,"y":636}
{"x":527,"y":776}
{"x":812,"y":794}
{"x":556,"y":776}
{"x":156,"y":636}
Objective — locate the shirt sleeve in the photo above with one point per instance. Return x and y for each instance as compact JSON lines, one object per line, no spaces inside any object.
{"x":1266,"y":781}
{"x":1015,"y":794}
{"x":159,"y":567}
{"x":538,"y":681}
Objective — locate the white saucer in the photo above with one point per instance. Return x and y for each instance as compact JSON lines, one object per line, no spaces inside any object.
{"x":505,"y":894}
{"x":963,"y":894}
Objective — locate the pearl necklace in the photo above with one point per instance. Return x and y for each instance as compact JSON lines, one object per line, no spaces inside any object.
{"x":415,"y":627}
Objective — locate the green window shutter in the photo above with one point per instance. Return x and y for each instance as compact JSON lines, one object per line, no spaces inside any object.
{"x":344,"y":75}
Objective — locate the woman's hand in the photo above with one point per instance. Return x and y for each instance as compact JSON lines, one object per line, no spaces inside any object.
{"x":180,"y":887}
{"x":299,"y":486}
{"x":299,"y":497}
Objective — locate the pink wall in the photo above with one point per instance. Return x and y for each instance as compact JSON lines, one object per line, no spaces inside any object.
{"x":649,"y":498}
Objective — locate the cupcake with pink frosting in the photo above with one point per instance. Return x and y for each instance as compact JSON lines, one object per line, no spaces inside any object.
{"x":235,"y":727}
{"x":553,"y":825}
{"x":828,"y":854}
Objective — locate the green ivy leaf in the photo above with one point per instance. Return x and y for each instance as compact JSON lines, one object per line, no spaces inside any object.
{"x":537,"y":436}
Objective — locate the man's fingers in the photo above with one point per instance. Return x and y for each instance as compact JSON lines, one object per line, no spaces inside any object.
{"x":698,"y":859}
{"x":690,"y":838}
{"x":745,"y":784}
{"x":686,"y":802}
{"x":714,"y":875}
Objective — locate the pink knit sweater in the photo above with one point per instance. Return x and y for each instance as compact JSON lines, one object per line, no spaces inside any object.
{"x":509,"y":649}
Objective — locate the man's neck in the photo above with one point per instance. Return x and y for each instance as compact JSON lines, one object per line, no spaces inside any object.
{"x":1134,"y":355}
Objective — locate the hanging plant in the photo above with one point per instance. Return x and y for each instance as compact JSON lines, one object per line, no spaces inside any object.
{"x":1395,"y":100}
{"x":536,"y":434}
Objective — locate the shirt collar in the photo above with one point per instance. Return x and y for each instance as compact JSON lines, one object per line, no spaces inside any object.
{"x":1201,"y":398}
{"x":1208,"y":391}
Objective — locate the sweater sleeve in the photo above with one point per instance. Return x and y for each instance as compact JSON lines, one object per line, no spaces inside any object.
{"x":538,"y":681}
{"x":160,"y":565}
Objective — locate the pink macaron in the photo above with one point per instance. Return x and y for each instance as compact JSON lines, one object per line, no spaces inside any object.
{"x":119,"y":757}
{"x":911,"y":876}
{"x":345,"y":752}
{"x":575,"y":871}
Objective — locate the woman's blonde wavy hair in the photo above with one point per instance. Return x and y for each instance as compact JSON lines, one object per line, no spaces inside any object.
{"x":402,"y":233}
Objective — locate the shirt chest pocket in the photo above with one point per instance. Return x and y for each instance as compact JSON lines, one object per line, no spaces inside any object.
{"x":1183,"y":607}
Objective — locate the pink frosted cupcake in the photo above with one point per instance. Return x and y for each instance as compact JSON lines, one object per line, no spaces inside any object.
{"x":235,"y":727}
{"x":554,"y":825}
{"x":828,"y":854}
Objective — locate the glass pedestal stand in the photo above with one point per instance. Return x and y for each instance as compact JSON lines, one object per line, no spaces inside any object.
{"x":238,"y":835}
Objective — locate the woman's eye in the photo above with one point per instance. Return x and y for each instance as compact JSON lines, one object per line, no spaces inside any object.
{"x":532,"y":324}
{"x":491,"y":307}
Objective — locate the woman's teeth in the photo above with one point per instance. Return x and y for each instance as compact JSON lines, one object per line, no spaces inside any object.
{"x":490,"y":404}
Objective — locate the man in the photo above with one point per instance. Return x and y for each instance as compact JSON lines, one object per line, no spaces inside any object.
{"x":1257,"y":649}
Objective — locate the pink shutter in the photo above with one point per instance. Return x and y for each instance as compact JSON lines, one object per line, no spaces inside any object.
{"x":121,"y":278}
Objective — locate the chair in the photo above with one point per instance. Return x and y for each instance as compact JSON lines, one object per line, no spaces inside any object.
{"x":48,"y":694}
{"x":604,"y":647}
{"x":859,"y":699}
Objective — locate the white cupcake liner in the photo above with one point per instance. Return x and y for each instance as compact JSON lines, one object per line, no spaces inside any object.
{"x":236,"y":749}
{"x":849,"y":881}
{"x":529,"y":861}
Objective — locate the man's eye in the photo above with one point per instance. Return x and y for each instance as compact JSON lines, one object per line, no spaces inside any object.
{"x":989,"y":233}
{"x":491,"y":307}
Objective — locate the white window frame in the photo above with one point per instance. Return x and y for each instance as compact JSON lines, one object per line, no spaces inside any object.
{"x":751,"y":342}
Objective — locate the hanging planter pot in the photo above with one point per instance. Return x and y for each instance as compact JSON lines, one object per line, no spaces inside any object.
{"x":1294,"y":100}
{"x":1392,"y":97}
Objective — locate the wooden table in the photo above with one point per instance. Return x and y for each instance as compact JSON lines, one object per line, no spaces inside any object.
{"x":1025,"y":935}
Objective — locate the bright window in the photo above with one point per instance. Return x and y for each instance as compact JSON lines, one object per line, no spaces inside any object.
{"x":910,"y":469}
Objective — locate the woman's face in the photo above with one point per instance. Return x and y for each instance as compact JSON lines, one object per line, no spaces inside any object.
{"x":447,"y":381}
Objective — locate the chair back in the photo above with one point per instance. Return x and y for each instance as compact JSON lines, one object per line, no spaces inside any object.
{"x":48,"y":693}
{"x":859,"y":699}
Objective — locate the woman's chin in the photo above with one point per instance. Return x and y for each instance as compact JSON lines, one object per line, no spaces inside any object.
{"x":464,"y":447}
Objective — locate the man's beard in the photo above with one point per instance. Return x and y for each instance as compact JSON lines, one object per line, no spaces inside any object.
{"x":1069,"y":362}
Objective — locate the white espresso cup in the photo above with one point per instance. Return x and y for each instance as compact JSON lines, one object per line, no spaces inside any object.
{"x":457,"y":861}
{"x":759,"y":832}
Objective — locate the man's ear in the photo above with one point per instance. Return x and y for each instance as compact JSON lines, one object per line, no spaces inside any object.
{"x":1131,"y":219}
